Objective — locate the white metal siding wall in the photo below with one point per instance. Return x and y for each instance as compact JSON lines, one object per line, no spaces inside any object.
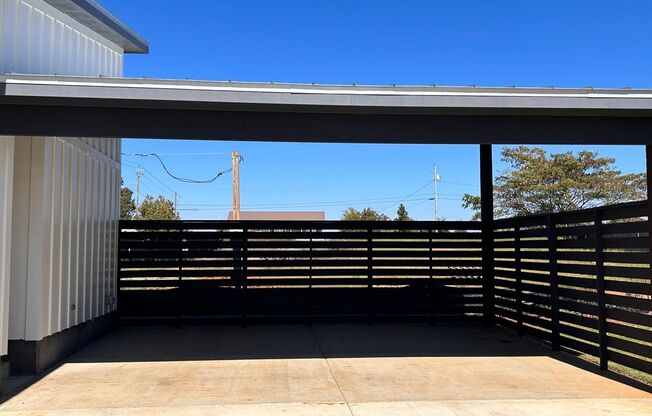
{"x":36,"y":38}
{"x":67,"y":273}
{"x":6,"y":185}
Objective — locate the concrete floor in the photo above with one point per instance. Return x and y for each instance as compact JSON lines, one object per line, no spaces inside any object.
{"x":323,"y":370}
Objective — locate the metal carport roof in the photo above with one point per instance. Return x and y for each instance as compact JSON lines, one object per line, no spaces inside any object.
{"x":105,"y":107}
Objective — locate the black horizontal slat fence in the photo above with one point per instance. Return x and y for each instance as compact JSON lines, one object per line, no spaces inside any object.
{"x":299,"y":270}
{"x":580,"y":281}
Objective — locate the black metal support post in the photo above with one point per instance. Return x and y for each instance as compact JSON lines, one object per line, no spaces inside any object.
{"x":487,"y":217}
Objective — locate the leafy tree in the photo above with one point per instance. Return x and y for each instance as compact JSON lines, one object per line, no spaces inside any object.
{"x":127,"y":204}
{"x":537,"y":182}
{"x":473,"y":202}
{"x":367,"y":214}
{"x":402,"y":214}
{"x":158,"y":208}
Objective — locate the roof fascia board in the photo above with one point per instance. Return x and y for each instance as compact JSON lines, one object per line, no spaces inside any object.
{"x":285,"y":97}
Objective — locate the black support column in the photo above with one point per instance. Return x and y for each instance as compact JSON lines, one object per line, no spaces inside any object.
{"x":487,"y":218}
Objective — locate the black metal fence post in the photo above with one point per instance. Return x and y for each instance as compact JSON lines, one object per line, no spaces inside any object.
{"x":518,"y":284}
{"x":118,"y":295}
{"x":600,"y":287}
{"x":370,"y":275}
{"x":180,"y":297}
{"x":310,"y":290}
{"x":243,"y":276}
{"x":554,"y":283}
{"x":431,"y":303}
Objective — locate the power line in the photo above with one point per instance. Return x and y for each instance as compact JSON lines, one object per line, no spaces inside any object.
{"x":148,"y":191}
{"x":183,"y":154}
{"x":150,"y":174}
{"x":377,"y":200}
{"x":332,"y":186}
{"x":159,"y":187}
{"x":407,"y":197}
{"x":461,"y":184}
{"x":420,"y":203}
{"x":271,"y":206}
{"x":178,"y":178}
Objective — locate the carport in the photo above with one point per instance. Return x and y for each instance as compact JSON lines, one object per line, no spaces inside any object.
{"x":576,"y":281}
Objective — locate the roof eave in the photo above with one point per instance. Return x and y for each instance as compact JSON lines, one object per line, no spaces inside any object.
{"x":93,"y":15}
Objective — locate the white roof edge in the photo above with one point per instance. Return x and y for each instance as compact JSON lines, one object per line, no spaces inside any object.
{"x":322,"y":96}
{"x":314,"y":87}
{"x":96,"y":17}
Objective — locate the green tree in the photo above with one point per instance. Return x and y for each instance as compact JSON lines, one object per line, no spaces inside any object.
{"x":158,"y":208}
{"x":537,"y":182}
{"x":367,"y":214}
{"x":402,"y":214}
{"x":127,"y":204}
{"x":473,"y":202}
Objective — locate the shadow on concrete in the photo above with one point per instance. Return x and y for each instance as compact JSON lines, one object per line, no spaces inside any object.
{"x":197,"y":343}
{"x":303,"y":341}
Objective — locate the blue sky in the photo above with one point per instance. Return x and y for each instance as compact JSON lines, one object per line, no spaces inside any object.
{"x":489,"y":43}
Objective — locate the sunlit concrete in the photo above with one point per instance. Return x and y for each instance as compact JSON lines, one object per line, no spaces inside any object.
{"x":323,"y":370}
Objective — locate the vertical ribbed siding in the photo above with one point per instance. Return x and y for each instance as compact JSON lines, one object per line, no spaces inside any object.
{"x":36,"y":38}
{"x":66,"y":191}
{"x":6,"y":185}
{"x":71,"y":253}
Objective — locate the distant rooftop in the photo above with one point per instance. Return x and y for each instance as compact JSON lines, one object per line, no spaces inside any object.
{"x":96,"y":17}
{"x":280,"y":215}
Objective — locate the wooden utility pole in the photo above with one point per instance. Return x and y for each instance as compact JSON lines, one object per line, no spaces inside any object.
{"x":235,"y":160}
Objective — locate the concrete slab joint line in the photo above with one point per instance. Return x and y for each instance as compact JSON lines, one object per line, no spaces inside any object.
{"x":337,"y":383}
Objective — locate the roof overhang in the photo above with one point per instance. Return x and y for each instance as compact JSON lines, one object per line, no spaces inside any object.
{"x":93,"y":15}
{"x":266,"y":111}
{"x":328,"y":98}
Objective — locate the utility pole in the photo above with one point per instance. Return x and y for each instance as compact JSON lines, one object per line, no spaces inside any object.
{"x":235,"y":160}
{"x":176,"y":203}
{"x":435,"y":179}
{"x":139,"y":173}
